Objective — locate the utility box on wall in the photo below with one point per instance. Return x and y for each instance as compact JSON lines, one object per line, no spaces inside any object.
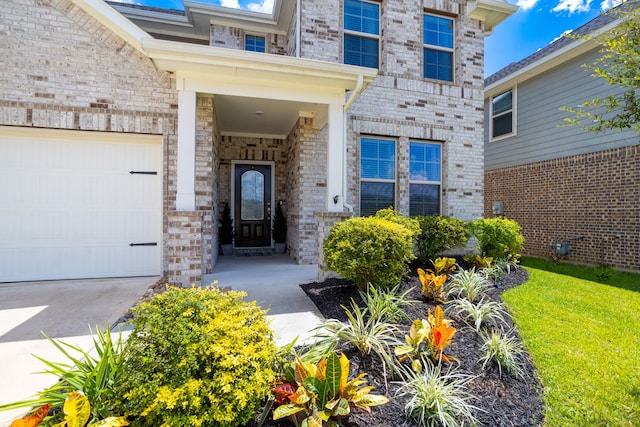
{"x":498,"y":208}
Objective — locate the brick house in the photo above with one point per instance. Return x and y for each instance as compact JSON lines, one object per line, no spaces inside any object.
{"x":561,"y":181}
{"x":124,"y":130}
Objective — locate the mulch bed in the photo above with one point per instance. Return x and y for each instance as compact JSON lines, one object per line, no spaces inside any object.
{"x":506,"y":401}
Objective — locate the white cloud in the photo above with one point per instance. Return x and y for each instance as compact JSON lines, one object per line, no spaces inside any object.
{"x":266,"y":6}
{"x":572,"y":6}
{"x":526,"y":4}
{"x":608,"y":4}
{"x":230,"y":3}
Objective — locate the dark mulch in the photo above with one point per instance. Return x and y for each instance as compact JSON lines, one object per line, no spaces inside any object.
{"x":506,"y":401}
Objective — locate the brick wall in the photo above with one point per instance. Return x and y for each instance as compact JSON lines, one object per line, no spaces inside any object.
{"x":321,"y":35}
{"x":62,"y":69}
{"x":306,"y":188}
{"x":402,"y":105}
{"x":183,"y":243}
{"x":233,"y":38}
{"x":593,"y":195}
{"x":206,"y":162}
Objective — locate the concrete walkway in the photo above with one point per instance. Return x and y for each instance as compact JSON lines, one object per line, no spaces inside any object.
{"x":272,"y":281}
{"x":66,"y":309}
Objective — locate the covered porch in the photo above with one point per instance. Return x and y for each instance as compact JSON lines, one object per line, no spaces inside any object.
{"x":254,"y":130}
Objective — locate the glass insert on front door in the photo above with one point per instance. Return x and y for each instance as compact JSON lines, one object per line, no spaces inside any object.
{"x":252,"y":201}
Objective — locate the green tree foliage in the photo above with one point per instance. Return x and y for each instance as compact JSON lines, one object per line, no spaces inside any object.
{"x":619,"y":66}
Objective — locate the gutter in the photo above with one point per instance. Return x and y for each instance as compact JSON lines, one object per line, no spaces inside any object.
{"x":352,"y":97}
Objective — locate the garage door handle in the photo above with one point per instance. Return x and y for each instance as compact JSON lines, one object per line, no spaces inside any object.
{"x":144,"y":244}
{"x":143,"y":172}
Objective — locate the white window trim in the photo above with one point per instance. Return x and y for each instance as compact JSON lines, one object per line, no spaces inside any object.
{"x":514,"y":109}
{"x":413,"y":181}
{"x":381,"y":180}
{"x":365,"y":35}
{"x":441,"y":48}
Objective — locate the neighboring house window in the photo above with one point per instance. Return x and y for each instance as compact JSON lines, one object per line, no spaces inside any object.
{"x":438,"y":47}
{"x":502,"y":114}
{"x":254,"y":43}
{"x":377,"y":174}
{"x":361,"y":33}
{"x":425,"y":182}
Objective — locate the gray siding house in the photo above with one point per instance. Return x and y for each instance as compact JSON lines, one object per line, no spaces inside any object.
{"x":561,"y":182}
{"x":125,"y":130}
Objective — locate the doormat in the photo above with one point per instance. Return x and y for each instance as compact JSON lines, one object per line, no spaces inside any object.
{"x":254,"y":252}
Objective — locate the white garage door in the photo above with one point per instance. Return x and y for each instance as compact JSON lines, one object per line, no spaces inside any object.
{"x":79,"y":205}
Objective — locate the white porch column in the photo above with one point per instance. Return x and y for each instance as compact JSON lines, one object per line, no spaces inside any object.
{"x":186,"y":173}
{"x":335,"y":158}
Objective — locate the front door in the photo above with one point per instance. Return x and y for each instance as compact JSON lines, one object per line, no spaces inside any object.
{"x":252,"y":216}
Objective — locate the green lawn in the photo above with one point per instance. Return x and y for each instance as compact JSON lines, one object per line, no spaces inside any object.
{"x":584,"y":338}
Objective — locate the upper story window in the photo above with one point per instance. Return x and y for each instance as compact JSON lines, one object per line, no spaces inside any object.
{"x":438,"y":47}
{"x":254,"y":43}
{"x":425,"y":178}
{"x":502,"y":114}
{"x":377,"y":174}
{"x":361,"y":33}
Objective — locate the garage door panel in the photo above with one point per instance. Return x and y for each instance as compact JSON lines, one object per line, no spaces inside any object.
{"x":70,"y":208}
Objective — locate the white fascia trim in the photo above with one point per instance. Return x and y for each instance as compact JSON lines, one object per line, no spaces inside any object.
{"x":491,"y":12}
{"x":113,"y":20}
{"x":560,"y":56}
{"x":183,"y":54}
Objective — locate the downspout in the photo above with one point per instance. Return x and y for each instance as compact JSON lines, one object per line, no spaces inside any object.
{"x":298,"y":19}
{"x":352,"y":97}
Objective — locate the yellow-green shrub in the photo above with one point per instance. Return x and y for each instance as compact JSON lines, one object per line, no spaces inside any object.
{"x":498,"y":238}
{"x":393,"y":215}
{"x":197,"y":357}
{"x":369,"y":250}
{"x":438,"y":234}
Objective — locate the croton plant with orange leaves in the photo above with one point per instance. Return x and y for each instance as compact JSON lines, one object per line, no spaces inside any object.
{"x":433,"y":280}
{"x":77,"y":413}
{"x":428,"y":337}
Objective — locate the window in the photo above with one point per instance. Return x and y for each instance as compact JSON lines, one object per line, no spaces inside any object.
{"x":361,"y":33}
{"x":438,"y":47}
{"x":425,"y":171}
{"x":377,"y":174}
{"x":254,"y":43}
{"x":502,"y":122}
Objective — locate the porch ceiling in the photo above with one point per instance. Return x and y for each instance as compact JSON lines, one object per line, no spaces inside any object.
{"x":267,"y":118}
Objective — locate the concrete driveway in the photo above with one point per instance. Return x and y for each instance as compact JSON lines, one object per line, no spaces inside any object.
{"x":64,"y":310}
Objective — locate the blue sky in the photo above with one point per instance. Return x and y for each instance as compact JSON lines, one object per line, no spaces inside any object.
{"x":536,"y":24}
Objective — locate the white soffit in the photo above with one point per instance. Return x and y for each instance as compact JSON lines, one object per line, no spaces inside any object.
{"x":491,"y":12}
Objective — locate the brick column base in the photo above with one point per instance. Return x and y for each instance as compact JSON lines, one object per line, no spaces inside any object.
{"x":326,"y":220}
{"x":183,"y":246}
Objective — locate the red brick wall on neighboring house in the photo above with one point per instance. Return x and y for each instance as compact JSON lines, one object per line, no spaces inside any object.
{"x":595,"y":195}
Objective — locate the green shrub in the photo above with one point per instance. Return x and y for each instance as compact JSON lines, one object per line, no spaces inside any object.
{"x":393,"y":215}
{"x":497,"y":237}
{"x":439,"y":233}
{"x":197,"y":356}
{"x":369,"y":250}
